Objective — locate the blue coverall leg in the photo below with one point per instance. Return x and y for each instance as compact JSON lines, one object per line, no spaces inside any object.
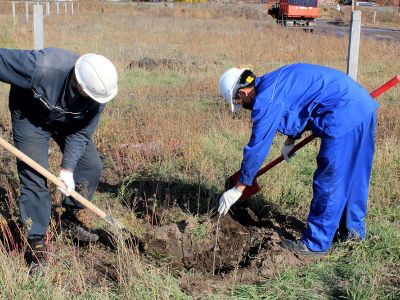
{"x":340,"y":186}
{"x":35,"y":200}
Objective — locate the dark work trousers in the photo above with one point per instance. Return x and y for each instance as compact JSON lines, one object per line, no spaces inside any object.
{"x":35,"y":200}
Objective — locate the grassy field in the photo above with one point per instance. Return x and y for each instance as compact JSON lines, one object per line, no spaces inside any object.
{"x":169,"y":125}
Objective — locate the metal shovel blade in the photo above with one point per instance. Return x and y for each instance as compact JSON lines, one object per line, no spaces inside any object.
{"x":110,"y":220}
{"x":128,"y":237}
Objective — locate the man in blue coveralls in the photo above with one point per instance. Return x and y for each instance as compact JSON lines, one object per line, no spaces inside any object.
{"x":56,"y":94}
{"x":291,"y":100}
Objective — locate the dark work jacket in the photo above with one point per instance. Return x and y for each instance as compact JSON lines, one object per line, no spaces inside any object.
{"x":42,"y":93}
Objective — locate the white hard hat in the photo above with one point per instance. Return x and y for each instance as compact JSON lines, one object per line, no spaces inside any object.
{"x":230,"y":83}
{"x":97,"y":77}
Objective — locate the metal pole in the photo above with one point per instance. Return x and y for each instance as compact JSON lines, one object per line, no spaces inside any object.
{"x":38,"y":26}
{"x":374,"y":17}
{"x":72,"y":8}
{"x":27,"y":11}
{"x":354,"y":44}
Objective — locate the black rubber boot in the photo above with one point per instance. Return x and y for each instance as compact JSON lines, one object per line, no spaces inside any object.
{"x":74,"y":228}
{"x":36,"y":255}
{"x":299,"y":247}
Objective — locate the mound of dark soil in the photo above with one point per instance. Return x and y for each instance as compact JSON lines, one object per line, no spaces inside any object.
{"x":182,"y":233}
{"x":250,"y":251}
{"x":172,"y":64}
{"x":163,"y":63}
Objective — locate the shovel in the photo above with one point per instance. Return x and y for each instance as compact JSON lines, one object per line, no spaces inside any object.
{"x":255,"y":187}
{"x":44,"y":172}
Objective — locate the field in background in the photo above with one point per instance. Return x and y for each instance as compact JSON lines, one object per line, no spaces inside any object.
{"x":169,"y":125}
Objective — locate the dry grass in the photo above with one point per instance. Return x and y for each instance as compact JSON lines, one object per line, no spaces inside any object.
{"x":179,"y":109}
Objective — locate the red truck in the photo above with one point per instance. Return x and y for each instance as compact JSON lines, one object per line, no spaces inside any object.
{"x":295,"y":13}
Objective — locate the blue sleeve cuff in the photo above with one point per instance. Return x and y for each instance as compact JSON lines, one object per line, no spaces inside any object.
{"x":246,"y":179}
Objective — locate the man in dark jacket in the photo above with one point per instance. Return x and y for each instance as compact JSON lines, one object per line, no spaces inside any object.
{"x":300,"y":97}
{"x":56,"y":94}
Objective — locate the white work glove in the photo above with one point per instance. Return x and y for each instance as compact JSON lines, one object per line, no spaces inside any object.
{"x":228,"y":199}
{"x":67,"y":177}
{"x":286,"y":149}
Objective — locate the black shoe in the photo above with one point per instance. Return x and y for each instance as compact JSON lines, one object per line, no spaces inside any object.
{"x":299,"y":247}
{"x":346,"y":236}
{"x":36,"y":255}
{"x":75,"y":229}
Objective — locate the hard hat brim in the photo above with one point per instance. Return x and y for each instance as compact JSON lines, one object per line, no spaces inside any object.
{"x":102,"y":100}
{"x":235,"y":107}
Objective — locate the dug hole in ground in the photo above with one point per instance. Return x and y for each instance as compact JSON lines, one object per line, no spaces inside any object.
{"x":181,"y":231}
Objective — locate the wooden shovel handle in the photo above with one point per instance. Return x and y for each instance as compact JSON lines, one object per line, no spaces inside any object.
{"x":44,"y":172}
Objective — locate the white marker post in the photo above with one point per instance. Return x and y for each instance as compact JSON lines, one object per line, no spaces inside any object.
{"x":38,"y":26}
{"x":47,"y":8}
{"x":14,"y":12}
{"x":72,"y":8}
{"x":58,"y":7}
{"x":65,"y":7}
{"x":27,"y":11}
{"x":354,"y":44}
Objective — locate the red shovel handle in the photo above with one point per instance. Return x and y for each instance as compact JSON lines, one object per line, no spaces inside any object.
{"x":277,"y":160}
{"x":232,"y":180}
{"x":392,"y":82}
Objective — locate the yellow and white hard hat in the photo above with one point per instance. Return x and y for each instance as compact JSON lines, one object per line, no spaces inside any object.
{"x":231,"y":81}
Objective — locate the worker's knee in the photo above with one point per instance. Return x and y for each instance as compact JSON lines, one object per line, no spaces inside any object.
{"x":94,"y":167}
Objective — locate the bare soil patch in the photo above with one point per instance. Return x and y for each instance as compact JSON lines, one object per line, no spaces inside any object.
{"x":252,"y":252}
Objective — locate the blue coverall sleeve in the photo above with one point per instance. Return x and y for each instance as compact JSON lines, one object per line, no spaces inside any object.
{"x":75,"y":143}
{"x":17,"y":67}
{"x":263,"y":132}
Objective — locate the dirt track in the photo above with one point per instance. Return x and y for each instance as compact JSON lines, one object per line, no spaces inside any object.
{"x":342,"y":29}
